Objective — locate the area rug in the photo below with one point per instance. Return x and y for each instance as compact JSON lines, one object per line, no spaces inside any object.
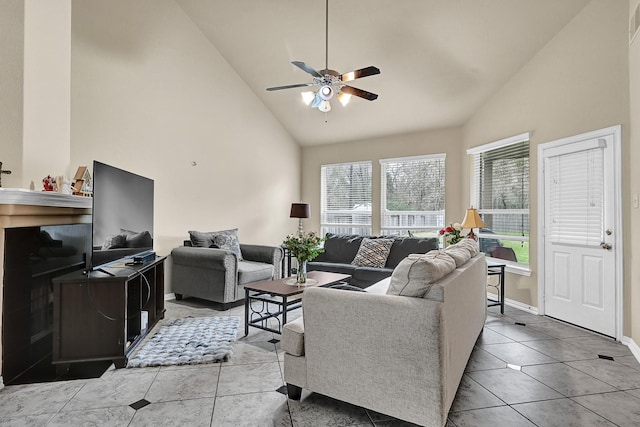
{"x":188,"y":341}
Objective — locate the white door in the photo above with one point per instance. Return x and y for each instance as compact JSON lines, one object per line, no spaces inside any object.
{"x":581,"y":193}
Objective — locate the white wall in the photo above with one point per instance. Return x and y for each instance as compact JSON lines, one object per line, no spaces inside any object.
{"x":11,"y":80}
{"x":446,"y":141}
{"x":577,"y":83}
{"x":633,"y":184}
{"x":151,"y":95}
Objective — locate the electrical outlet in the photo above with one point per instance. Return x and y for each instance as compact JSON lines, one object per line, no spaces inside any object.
{"x":636,"y":201}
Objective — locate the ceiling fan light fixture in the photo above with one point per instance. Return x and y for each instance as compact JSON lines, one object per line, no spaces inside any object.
{"x":344,"y":98}
{"x":308,"y":96}
{"x":325,"y":106}
{"x":326,"y":92}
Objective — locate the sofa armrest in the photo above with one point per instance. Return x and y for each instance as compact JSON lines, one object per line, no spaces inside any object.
{"x":267,"y":254}
{"x":359,"y":345}
{"x":213,"y":259}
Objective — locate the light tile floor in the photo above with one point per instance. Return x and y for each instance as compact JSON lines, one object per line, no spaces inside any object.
{"x":525,"y":370}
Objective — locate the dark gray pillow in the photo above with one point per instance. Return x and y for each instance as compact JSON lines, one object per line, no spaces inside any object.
{"x":225,"y":239}
{"x":115,"y":242}
{"x":137,"y":240}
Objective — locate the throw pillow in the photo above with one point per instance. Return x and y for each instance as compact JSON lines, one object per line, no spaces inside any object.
{"x":373,"y":253}
{"x":137,"y":240}
{"x":115,"y":242}
{"x":469,"y":244}
{"x":459,"y":254}
{"x":225,"y":239}
{"x":416,"y":274}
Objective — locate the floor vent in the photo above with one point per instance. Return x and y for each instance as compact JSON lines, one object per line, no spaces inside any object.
{"x":634,"y":24}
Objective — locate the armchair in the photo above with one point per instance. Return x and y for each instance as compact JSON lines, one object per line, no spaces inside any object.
{"x":218,"y":275}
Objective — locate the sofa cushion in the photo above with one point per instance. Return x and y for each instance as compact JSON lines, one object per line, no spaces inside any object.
{"x":404,"y":246}
{"x":331,"y":267}
{"x":251,"y":271}
{"x":363,"y":277}
{"x":415,"y":275}
{"x":373,"y":253}
{"x":470,"y":245}
{"x":459,"y":254}
{"x":340,"y":248}
{"x":293,"y":337}
{"x":225,"y":239}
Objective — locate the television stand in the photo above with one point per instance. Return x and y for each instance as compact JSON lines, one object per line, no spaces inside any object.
{"x":100,"y":316}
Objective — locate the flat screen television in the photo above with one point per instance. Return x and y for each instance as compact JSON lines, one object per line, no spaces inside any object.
{"x":122,"y":216}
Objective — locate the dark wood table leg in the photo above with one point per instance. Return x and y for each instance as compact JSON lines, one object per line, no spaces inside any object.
{"x":246,"y":312}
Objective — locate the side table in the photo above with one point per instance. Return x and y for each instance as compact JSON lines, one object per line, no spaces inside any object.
{"x":497,"y":269}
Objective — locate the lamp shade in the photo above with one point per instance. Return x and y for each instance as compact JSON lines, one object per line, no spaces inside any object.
{"x":300,"y":210}
{"x":472,"y":219}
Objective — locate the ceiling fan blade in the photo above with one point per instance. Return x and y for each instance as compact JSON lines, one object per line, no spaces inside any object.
{"x":305,"y":67}
{"x":359,"y":92}
{"x":362,"y":72}
{"x":290,"y":86}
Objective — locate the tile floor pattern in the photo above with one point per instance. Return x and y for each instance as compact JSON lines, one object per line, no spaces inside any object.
{"x":526,"y":370}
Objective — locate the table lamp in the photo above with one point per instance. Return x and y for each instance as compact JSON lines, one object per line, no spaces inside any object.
{"x":472,"y":220}
{"x":300,"y":210}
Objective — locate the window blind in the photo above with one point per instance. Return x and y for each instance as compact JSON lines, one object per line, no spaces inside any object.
{"x":413,"y":195}
{"x":576,"y":197}
{"x":501,"y":195}
{"x":345,"y":198}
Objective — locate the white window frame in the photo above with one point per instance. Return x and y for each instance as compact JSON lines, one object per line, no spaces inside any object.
{"x":512,"y":267}
{"x":356,"y":227}
{"x":385,"y":229}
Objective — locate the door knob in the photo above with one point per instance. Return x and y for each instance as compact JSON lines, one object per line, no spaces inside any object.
{"x":606,"y":246}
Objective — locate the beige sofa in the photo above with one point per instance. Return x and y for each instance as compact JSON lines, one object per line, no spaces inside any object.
{"x":397,"y":355}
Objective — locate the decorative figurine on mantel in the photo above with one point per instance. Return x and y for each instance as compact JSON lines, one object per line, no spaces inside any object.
{"x":48,"y":183}
{"x":3,"y":171}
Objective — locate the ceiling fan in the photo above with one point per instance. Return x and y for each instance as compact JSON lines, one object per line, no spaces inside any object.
{"x":330,"y":81}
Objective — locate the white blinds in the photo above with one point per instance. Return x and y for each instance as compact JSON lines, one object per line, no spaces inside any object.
{"x":346,"y":198}
{"x":501,"y":195}
{"x":413,"y":194}
{"x":576,"y":197}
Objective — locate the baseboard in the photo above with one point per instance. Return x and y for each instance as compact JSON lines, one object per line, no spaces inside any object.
{"x":169,"y":297}
{"x":514,"y":304}
{"x":633,"y":346}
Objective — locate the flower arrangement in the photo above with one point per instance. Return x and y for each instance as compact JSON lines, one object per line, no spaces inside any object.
{"x":304,"y":246}
{"x":451,"y":233}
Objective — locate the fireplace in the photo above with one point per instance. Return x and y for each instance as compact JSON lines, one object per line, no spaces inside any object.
{"x":43,"y":235}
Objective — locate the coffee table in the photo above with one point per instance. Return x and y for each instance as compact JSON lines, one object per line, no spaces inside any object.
{"x":284,"y":296}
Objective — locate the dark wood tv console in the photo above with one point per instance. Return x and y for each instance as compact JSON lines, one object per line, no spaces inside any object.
{"x":101,"y":316}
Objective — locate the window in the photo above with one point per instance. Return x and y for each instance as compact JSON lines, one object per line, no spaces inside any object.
{"x":501,"y":195}
{"x":412,"y":195}
{"x":345,"y":198}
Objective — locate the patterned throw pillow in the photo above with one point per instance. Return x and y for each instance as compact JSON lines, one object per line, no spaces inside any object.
{"x":225,"y":239}
{"x":373,"y":253}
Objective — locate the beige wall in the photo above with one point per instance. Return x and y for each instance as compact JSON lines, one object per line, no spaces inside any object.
{"x":446,"y":141}
{"x":46,"y":140}
{"x":11,"y":72}
{"x":151,"y":95}
{"x":632,"y":259}
{"x":577,"y":83}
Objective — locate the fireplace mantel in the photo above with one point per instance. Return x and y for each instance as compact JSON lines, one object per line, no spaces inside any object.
{"x":19,"y":196}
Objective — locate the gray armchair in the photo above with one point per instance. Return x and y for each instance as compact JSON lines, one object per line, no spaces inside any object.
{"x":217,"y":275}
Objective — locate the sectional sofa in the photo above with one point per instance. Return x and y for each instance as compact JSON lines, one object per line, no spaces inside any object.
{"x":340,"y":251}
{"x":399,"y":355}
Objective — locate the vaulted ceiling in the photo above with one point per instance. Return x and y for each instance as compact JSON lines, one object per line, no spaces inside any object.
{"x":439,"y":60}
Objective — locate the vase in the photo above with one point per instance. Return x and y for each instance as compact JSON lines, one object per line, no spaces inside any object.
{"x":302,"y":271}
